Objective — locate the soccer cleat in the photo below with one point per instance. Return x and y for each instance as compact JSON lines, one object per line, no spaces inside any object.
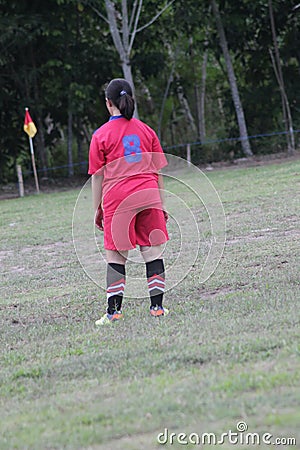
{"x":107,"y":319}
{"x":157,"y":311}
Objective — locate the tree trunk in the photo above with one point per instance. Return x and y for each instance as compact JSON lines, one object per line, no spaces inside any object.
{"x":40,"y":138}
{"x":163,"y":103}
{"x":121,"y":42}
{"x":199,"y":90}
{"x":40,"y":143}
{"x":79,"y":138}
{"x":70,"y":141}
{"x":232,"y":81}
{"x":201,"y":105}
{"x":278,"y":73}
{"x":126,"y":67}
{"x":173,"y":127}
{"x":145,"y":91}
{"x":220,"y":105}
{"x":124,"y":39}
{"x":186,"y":107}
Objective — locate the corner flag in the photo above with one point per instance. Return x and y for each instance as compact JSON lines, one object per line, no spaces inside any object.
{"x":31,"y":130}
{"x":29,"y":126}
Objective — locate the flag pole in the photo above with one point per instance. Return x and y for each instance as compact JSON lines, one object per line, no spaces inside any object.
{"x":33,"y":166}
{"x":30,"y":129}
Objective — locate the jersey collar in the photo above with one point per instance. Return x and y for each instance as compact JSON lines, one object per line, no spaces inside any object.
{"x":116,"y":117}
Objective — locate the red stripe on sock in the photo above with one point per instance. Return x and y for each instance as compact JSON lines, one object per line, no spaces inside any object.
{"x":158,"y":277}
{"x":122,"y":280}
{"x":111,"y":291}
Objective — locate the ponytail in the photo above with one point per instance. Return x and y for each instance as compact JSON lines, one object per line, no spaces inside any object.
{"x":119,"y":92}
{"x":126,"y":106}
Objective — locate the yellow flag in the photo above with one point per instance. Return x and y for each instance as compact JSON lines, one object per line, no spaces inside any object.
{"x":29,"y":126}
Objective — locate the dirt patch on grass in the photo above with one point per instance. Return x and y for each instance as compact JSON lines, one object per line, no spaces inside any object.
{"x":265,"y":234}
{"x":254,"y":161}
{"x":47,"y":185}
{"x":55,"y":246}
{"x":5,"y":254}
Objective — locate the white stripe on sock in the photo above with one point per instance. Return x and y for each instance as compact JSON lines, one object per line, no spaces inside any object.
{"x":162,"y":289}
{"x":116,"y":286}
{"x":156,"y":280}
{"x":110,"y":294}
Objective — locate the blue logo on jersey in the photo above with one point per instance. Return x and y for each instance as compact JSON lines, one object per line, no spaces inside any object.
{"x":132,"y":148}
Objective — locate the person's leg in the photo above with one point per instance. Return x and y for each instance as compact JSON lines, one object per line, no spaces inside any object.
{"x":113,"y":256}
{"x":115,"y":279}
{"x":151,"y":235}
{"x":155,"y":275}
{"x":117,"y":234}
{"x":151,"y":253}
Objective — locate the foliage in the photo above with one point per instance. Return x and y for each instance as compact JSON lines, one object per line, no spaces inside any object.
{"x":56,"y":57}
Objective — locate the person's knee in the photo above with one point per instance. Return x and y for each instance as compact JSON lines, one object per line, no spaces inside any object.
{"x":113,"y":256}
{"x":151,"y":253}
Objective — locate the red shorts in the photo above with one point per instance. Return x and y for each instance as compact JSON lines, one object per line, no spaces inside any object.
{"x":125,"y":230}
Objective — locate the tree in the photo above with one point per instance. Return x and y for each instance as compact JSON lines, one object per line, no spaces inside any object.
{"x":233,"y":83}
{"x":57,"y":57}
{"x":20,"y":32}
{"x":201,"y":99}
{"x":124,"y":36}
{"x":43,"y":52}
{"x":279,"y":76}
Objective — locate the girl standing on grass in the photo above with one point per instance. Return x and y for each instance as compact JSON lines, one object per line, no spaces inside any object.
{"x":124,"y":160}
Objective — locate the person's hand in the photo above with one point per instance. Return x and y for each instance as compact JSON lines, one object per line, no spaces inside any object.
{"x":99,"y":218}
{"x":166,"y":215}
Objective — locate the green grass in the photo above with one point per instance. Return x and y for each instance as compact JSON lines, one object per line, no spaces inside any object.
{"x":228,"y":351}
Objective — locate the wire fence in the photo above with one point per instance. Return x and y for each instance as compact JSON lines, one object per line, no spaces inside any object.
{"x":184,"y":148}
{"x":233,"y":139}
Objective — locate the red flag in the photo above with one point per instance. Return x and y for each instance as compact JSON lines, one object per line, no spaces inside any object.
{"x":29,"y":126}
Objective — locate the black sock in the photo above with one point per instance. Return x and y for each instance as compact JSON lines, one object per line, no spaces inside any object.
{"x":156,"y":281}
{"x":115,"y":282}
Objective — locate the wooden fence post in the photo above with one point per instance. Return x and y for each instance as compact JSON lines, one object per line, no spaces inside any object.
{"x":188,"y":154}
{"x":20,"y":180}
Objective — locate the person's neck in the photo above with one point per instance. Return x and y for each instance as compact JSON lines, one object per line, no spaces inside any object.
{"x":116,"y":112}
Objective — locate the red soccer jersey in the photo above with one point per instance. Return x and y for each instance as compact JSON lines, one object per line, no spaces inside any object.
{"x":129,"y":155}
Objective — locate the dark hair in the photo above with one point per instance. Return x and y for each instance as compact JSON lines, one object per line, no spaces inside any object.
{"x":119,"y":92}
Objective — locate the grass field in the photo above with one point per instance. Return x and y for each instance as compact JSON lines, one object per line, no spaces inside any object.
{"x":228,"y":352}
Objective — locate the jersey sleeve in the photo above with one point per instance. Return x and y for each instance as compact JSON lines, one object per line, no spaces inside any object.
{"x":158,"y":157}
{"x":96,"y":156}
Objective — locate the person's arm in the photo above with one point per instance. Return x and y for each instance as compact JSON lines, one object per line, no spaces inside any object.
{"x":97,"y":181}
{"x":162,"y":196}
